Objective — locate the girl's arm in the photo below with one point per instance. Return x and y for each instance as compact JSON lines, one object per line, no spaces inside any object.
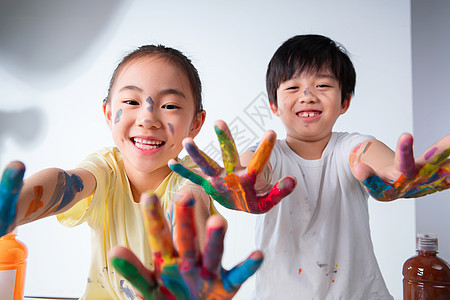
{"x":48,"y":192}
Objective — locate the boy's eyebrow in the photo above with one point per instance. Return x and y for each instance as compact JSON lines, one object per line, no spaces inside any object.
{"x":325,"y":75}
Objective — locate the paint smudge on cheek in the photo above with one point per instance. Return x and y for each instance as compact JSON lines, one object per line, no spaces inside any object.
{"x":150,"y":103}
{"x":430,"y":153}
{"x":117,"y":117}
{"x":171,"y":129}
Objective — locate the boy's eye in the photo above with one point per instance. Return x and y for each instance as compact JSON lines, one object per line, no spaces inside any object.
{"x":131,"y":102}
{"x":170,"y":106}
{"x":322,"y":86}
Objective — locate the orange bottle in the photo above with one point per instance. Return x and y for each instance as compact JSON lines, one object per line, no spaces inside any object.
{"x":425,"y":275}
{"x":13,"y":255}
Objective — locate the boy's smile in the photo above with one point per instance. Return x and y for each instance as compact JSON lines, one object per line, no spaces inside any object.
{"x":309,"y":105}
{"x":153,"y":108}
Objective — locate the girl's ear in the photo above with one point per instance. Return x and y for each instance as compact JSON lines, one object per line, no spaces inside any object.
{"x":197,"y":124}
{"x":274,"y":109}
{"x":346,"y":104}
{"x":107,"y":113}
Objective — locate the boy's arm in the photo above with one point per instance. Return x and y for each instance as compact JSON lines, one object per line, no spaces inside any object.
{"x":235,"y":186}
{"x":48,"y":192}
{"x":390,"y":175}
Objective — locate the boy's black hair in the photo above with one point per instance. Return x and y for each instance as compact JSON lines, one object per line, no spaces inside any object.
{"x":172,"y":55}
{"x":309,"y":53}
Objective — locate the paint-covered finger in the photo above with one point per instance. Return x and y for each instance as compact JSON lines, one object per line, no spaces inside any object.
{"x":239,"y":274}
{"x":206,"y":164}
{"x":262,"y":154}
{"x":188,"y":174}
{"x":10,"y":186}
{"x":404,"y":156}
{"x":229,"y":152}
{"x":160,"y":238}
{"x":127,"y":264}
{"x":213,"y":251}
{"x":280,"y":189}
{"x":185,"y":230}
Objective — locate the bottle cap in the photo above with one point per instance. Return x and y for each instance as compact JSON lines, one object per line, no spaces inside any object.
{"x":427,"y":241}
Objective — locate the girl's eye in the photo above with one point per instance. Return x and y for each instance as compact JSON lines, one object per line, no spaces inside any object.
{"x":131,"y":102}
{"x":170,"y":106}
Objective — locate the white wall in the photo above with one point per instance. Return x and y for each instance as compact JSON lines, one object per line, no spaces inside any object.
{"x":431,"y":79}
{"x":56,"y":59}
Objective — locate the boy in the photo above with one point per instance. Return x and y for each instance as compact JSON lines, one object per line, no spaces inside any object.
{"x":317,"y":243}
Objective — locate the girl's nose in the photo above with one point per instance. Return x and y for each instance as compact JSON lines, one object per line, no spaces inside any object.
{"x":148,"y":119}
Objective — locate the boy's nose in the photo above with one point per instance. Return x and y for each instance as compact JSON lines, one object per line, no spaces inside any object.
{"x":307,"y":96}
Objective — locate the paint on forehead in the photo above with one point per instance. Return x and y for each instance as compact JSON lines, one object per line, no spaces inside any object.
{"x":117,"y":117}
{"x":170,"y":128}
{"x":150,"y":102}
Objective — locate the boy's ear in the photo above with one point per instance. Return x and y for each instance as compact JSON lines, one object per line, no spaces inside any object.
{"x":197,"y":124}
{"x":274,"y":109}
{"x":346,"y":104}
{"x":107,"y":113}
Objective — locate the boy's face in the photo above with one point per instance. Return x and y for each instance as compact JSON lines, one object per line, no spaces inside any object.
{"x":150,"y":112}
{"x":309,"y":105}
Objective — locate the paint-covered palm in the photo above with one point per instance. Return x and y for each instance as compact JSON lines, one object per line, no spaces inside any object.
{"x":10,"y":186}
{"x":186,"y":274}
{"x":234,"y":186}
{"x":410,"y":177}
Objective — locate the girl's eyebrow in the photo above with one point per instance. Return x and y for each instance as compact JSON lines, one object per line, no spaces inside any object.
{"x":171,"y":91}
{"x":131,"y":87}
{"x":168,"y":91}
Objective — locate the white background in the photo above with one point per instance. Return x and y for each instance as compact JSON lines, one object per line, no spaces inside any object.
{"x":56,"y":58}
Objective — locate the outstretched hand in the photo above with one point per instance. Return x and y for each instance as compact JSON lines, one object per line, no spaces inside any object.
{"x":10,"y":186}
{"x":409,"y":177}
{"x":186,"y":274}
{"x":234,"y":186}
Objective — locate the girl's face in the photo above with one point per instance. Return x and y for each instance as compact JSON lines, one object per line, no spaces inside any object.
{"x":151,"y":111}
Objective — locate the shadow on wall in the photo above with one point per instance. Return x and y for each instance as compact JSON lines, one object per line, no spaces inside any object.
{"x":24,"y":127}
{"x":40,"y":38}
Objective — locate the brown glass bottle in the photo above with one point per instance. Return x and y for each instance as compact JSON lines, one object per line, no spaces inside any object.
{"x":425,"y":275}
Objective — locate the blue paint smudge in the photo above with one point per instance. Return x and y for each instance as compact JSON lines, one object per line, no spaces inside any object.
{"x":117,"y":118}
{"x":72,"y":184}
{"x":170,"y":128}
{"x":150,"y":102}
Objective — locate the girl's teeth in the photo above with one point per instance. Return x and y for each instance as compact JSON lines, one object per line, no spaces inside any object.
{"x":147,"y":144}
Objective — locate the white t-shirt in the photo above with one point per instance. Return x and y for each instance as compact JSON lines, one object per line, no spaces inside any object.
{"x":317,"y":242}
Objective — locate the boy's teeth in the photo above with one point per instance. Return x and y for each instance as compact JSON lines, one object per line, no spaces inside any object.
{"x":147,"y":144}
{"x":308,"y":114}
